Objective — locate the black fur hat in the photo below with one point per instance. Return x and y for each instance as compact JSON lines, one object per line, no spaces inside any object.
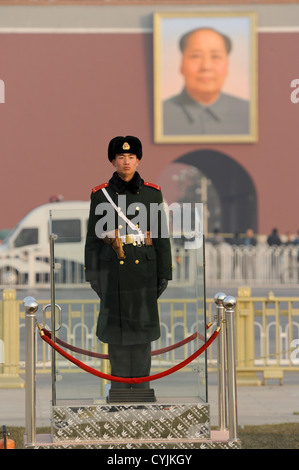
{"x":128,"y":144}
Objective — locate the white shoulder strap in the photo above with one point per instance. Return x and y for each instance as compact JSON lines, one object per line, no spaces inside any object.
{"x":120,"y":213}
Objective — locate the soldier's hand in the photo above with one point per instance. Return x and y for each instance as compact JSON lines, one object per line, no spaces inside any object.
{"x":95,"y":285}
{"x":162,"y":284}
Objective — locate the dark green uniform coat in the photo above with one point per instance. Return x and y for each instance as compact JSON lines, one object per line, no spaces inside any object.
{"x":128,"y":311}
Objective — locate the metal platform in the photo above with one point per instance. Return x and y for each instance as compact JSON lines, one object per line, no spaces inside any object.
{"x":155,"y":423}
{"x":170,"y":423}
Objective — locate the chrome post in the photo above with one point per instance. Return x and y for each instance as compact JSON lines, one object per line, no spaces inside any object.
{"x":221,"y":361}
{"x":53,"y":324}
{"x":31,"y":307}
{"x":229,"y":305}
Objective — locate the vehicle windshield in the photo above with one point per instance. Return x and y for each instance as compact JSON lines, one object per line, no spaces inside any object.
{"x":9,"y":234}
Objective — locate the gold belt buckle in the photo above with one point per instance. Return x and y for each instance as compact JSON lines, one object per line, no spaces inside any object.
{"x":129,"y":239}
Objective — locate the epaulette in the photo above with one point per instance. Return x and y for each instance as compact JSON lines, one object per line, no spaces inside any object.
{"x":152,"y":185}
{"x":97,"y":188}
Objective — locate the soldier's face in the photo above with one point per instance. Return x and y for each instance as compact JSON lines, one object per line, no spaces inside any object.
{"x":204,"y":65}
{"x":125,"y":165}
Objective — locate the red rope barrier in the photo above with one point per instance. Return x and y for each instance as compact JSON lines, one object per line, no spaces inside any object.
{"x":74,"y":349}
{"x":106,"y":356}
{"x":133,"y":380}
{"x":174,"y":346}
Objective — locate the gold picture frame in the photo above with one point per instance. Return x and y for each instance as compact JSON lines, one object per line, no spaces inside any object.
{"x":231,"y":119}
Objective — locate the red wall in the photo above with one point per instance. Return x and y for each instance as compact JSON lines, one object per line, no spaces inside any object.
{"x":66,"y":95}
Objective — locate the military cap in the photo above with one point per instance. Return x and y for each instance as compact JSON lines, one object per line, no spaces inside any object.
{"x":128,"y":144}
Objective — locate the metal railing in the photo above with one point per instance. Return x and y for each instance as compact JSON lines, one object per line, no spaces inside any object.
{"x":230,"y":265}
{"x":226,"y":366}
{"x":254,"y":265}
{"x":267,"y":329}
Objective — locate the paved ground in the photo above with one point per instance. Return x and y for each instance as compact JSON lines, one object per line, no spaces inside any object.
{"x":268,"y":404}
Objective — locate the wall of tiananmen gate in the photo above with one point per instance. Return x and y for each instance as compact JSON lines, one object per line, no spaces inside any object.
{"x":74,"y":76}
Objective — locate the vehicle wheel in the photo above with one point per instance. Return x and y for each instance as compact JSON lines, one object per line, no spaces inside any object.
{"x":8,"y":277}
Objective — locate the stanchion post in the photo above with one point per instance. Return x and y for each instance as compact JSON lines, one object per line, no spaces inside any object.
{"x":229,"y":306}
{"x":31,"y":307}
{"x":221,"y":361}
{"x":53,"y":311}
{"x":106,"y":370}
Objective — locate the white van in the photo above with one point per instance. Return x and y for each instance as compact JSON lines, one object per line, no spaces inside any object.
{"x":25,"y":253}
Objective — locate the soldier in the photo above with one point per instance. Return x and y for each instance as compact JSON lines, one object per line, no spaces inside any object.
{"x":128,"y":264}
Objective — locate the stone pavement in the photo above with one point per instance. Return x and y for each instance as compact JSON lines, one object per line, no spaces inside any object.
{"x":257,"y":405}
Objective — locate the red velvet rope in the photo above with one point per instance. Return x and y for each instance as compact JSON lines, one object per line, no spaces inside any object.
{"x":73,"y":348}
{"x":106,"y":356}
{"x":133,"y":380}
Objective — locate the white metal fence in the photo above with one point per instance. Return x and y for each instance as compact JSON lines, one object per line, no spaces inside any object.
{"x":254,"y":265}
{"x":224,"y":264}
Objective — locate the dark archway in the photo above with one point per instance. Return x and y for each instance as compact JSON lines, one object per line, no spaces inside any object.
{"x":235,"y":188}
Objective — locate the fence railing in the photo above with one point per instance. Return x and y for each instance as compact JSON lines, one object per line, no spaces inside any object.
{"x":225,"y":264}
{"x":261,"y":264}
{"x":267,"y":335}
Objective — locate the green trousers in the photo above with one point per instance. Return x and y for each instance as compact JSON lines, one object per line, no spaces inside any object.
{"x":130,"y":361}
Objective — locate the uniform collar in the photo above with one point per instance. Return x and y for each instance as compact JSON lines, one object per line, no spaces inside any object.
{"x":120,"y":185}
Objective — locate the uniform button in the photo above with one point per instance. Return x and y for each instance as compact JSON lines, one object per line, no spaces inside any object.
{"x":137,"y":208}
{"x":121,"y":262}
{"x":134,"y":243}
{"x":136,"y":261}
{"x":120,"y":226}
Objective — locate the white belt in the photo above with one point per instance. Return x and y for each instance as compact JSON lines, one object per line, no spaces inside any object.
{"x":133,"y":238}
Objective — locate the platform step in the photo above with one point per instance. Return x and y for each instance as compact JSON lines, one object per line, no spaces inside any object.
{"x":162,"y":421}
{"x":142,"y":395}
{"x":218,"y":440}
